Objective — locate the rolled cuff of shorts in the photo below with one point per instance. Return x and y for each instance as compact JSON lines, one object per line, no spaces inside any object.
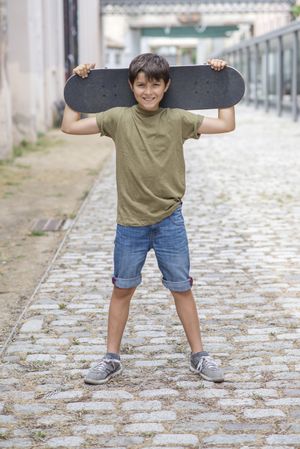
{"x":126,"y":283}
{"x":181,"y":286}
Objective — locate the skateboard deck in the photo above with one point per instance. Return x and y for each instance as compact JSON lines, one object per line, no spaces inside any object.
{"x":192,"y":87}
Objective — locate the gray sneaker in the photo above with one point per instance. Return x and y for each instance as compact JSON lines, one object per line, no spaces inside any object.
{"x":205,"y":365}
{"x":103,"y":371}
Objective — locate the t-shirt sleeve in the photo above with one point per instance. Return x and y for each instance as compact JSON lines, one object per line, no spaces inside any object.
{"x":190,"y":124}
{"x":107,"y":121}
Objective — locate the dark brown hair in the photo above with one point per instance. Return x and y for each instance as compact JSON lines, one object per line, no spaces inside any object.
{"x":154,"y":66}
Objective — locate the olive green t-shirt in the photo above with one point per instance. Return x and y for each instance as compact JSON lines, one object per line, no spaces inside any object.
{"x":150,"y":167}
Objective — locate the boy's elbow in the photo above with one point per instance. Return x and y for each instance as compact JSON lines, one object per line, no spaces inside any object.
{"x":230,"y":128}
{"x":65,"y":130}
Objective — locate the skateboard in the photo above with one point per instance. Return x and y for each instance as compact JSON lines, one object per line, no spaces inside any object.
{"x":192,"y":88}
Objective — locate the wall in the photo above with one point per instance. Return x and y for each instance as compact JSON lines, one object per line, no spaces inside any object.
{"x":5,"y":101}
{"x":35,"y":64}
{"x":32,"y":64}
{"x":90,"y":32}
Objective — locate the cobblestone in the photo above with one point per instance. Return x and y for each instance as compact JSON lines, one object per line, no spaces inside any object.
{"x":158,"y":393}
{"x":257,"y":413}
{"x":32,"y":325}
{"x":141,"y":405}
{"x":230,"y":439}
{"x":180,"y":438}
{"x":65,"y":442}
{"x":162,"y":415}
{"x":284,"y":439}
{"x":242,"y":213}
{"x":112,"y":394}
{"x":140,"y":428}
{"x":75,"y":406}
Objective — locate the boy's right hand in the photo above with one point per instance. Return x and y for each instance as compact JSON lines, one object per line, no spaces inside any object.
{"x":83,"y":70}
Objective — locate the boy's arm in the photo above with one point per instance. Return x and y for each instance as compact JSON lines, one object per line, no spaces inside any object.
{"x":226,"y":117}
{"x":223,"y":124}
{"x":71,"y":123}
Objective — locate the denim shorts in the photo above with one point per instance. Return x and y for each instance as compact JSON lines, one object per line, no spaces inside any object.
{"x":169,"y":241}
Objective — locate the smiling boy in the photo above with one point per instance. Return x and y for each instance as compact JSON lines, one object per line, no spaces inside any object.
{"x":150,"y":172}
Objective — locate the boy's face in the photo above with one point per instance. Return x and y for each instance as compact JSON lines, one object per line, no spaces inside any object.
{"x":148,"y":93}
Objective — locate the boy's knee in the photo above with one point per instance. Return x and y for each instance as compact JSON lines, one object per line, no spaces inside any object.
{"x":180,"y":294}
{"x":123,"y":292}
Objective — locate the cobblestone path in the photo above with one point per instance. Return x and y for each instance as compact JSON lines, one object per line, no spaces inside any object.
{"x":242,"y":211}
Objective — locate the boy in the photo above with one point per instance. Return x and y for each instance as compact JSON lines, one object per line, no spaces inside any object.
{"x":150,"y":185}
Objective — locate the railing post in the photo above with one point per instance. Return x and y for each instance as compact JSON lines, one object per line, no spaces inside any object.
{"x":255,"y":75}
{"x":266,"y":75}
{"x":240,"y":57}
{"x":279,"y":77}
{"x":247,"y":76}
{"x":295,"y":76}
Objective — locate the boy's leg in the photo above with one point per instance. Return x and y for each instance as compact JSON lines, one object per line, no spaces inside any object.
{"x":172,"y":253}
{"x":130,"y":251}
{"x":110,"y":365}
{"x":117,"y":317}
{"x":131,"y":247}
{"x":201,"y":362}
{"x":187,"y":312}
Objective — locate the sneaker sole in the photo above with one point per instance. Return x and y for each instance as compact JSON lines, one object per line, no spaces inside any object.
{"x":102,"y":381}
{"x":218,"y":380}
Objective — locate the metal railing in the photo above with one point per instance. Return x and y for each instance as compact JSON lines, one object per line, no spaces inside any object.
{"x":270,"y":65}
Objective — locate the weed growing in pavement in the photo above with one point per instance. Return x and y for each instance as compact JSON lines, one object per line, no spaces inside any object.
{"x":37,"y":233}
{"x":39,"y":435}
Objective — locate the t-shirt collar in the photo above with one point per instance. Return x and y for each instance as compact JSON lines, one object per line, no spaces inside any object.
{"x":143,"y":112}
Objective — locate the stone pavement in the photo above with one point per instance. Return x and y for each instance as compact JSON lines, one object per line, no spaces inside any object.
{"x":242,"y":209}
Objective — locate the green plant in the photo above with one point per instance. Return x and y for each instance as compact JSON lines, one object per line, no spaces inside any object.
{"x":39,"y":435}
{"x":296,"y":11}
{"x":37,"y":233}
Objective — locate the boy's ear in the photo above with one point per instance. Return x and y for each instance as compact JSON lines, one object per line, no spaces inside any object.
{"x":167,"y":85}
{"x":130,"y":85}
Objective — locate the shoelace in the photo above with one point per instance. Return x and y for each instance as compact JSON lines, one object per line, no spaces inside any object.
{"x":208,"y":362}
{"x":103,"y":365}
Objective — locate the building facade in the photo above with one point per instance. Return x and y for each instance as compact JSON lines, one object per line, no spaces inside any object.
{"x":38,"y":39}
{"x":188,"y":32}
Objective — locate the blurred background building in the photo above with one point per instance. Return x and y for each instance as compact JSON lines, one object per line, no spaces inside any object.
{"x":186,"y":32}
{"x":41,"y":41}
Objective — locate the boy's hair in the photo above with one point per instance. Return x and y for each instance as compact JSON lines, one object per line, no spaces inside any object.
{"x":154,"y":66}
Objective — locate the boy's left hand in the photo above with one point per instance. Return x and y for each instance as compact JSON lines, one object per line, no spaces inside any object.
{"x":217,"y":64}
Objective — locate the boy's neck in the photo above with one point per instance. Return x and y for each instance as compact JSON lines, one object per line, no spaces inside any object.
{"x":147,"y":111}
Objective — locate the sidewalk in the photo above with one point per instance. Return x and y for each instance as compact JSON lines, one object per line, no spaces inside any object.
{"x":242,"y":212}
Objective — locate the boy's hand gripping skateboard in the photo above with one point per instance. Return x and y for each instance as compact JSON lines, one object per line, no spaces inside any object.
{"x":192,"y":87}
